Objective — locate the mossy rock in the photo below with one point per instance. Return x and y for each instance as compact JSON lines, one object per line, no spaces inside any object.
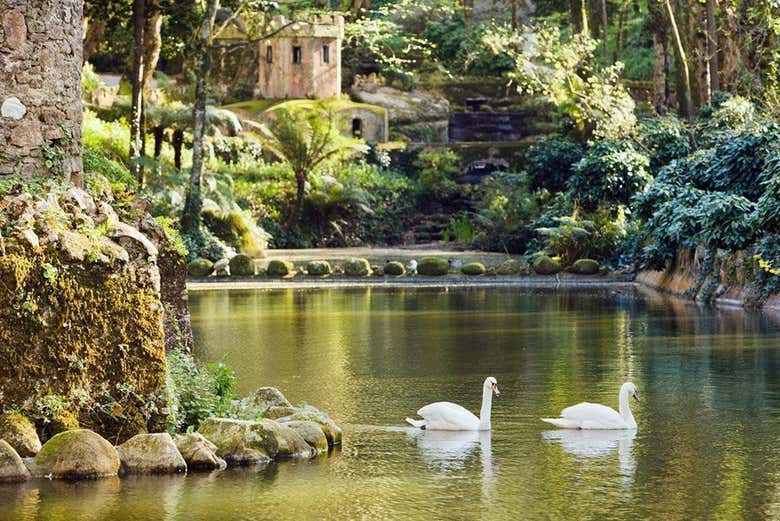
{"x":65,"y":421}
{"x":12,"y":467}
{"x":585,"y":267}
{"x":513,"y":267}
{"x":79,"y":454}
{"x":198,"y":452}
{"x":20,"y":433}
{"x":244,"y":442}
{"x":151,"y":454}
{"x":545,"y":265}
{"x":308,"y":413}
{"x":200,"y":268}
{"x":357,"y":268}
{"x":242,"y":265}
{"x":280,"y":268}
{"x":394,"y":269}
{"x":312,"y":433}
{"x":318,"y":268}
{"x":473,"y":269}
{"x":276,"y":412}
{"x":433,"y":266}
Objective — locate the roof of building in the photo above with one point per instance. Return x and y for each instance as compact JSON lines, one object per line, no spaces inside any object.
{"x":319,"y":26}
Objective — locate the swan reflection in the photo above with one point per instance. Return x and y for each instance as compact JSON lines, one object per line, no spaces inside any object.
{"x":593,"y":444}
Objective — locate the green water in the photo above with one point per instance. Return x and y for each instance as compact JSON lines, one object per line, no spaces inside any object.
{"x":709,"y":420}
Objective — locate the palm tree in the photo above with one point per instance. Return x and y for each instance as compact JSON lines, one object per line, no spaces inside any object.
{"x":305,"y":141}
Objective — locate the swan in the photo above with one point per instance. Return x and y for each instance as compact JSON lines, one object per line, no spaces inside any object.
{"x":595,"y":416}
{"x":446,"y":416}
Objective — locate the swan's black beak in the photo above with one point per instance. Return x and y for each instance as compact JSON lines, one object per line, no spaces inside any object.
{"x":636,"y":396}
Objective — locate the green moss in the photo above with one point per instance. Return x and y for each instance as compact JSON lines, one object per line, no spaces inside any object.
{"x":242,"y":266}
{"x":513,"y":267}
{"x":545,"y":265}
{"x":585,"y":267}
{"x":200,"y":268}
{"x":357,"y":268}
{"x":473,"y":269}
{"x":280,"y":268}
{"x":394,"y":269}
{"x":20,"y":433}
{"x":433,"y":266}
{"x":318,"y":268}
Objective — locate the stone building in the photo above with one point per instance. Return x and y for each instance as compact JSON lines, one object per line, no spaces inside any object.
{"x":40,"y":88}
{"x":302,"y":59}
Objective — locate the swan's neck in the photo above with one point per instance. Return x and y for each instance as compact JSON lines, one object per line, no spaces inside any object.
{"x":625,"y":409}
{"x":484,"y":413}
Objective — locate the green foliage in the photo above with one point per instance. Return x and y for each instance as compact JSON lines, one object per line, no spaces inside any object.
{"x":437,"y":170}
{"x":611,"y":172}
{"x":506,"y":208}
{"x":197,"y":392}
{"x":573,"y":237}
{"x":90,"y":80}
{"x":664,"y":140}
{"x":548,"y":163}
{"x":735,"y":113}
{"x":464,"y":52}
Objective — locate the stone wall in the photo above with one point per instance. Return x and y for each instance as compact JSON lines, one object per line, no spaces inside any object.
{"x":40,"y":88}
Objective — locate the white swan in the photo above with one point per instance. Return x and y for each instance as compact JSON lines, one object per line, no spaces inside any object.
{"x":594,"y":416}
{"x":446,"y":416}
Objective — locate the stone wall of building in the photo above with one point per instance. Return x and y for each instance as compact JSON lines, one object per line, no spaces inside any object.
{"x":40,"y":88}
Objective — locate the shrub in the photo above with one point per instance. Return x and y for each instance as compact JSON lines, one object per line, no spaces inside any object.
{"x":473,"y":269}
{"x":549,"y":163}
{"x":237,"y":229}
{"x":585,"y":267}
{"x":280,"y":268}
{"x":357,"y":268}
{"x":505,"y":209}
{"x":242,"y":265}
{"x":437,"y":170}
{"x":545,"y":265}
{"x":611,"y":172}
{"x":433,"y":266}
{"x":200,"y":268}
{"x":665,"y":140}
{"x":318,"y":268}
{"x":734,"y":113}
{"x":394,"y":269}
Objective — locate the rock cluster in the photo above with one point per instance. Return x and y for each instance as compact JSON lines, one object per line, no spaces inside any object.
{"x":302,"y":432}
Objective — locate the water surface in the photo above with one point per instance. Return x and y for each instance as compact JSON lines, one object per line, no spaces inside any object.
{"x":709,"y":419}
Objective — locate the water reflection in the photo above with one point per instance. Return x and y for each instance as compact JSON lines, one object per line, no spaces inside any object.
{"x":598,"y":444}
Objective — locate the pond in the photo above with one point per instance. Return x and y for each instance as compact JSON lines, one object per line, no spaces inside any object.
{"x":709,"y":415}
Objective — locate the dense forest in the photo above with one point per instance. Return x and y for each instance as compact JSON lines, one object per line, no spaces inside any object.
{"x":656,"y":127}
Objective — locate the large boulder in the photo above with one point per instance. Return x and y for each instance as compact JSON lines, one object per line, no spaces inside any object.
{"x":473,"y":269}
{"x":242,"y":266}
{"x":308,"y":413}
{"x":405,"y":107}
{"x":433,"y":266}
{"x":79,"y":454}
{"x":198,"y":452}
{"x":357,"y":268}
{"x":585,"y":267}
{"x":394,"y":269}
{"x":312,"y":433}
{"x":266,"y":397}
{"x":151,"y":454}
{"x":280,"y":268}
{"x":11,"y":465}
{"x":318,"y":268}
{"x":545,"y":265}
{"x":20,"y":434}
{"x":276,"y":412}
{"x":200,"y":268}
{"x":513,"y":267}
{"x":244,"y":442}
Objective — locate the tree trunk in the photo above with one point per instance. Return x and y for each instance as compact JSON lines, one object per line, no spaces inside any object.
{"x":658,"y":27}
{"x":514,"y":15}
{"x":579,"y":16}
{"x":159,"y":137}
{"x":300,"y":193}
{"x":621,"y":32}
{"x":686,"y":101}
{"x":193,"y":204}
{"x":712,"y":47}
{"x":152,"y":41}
{"x":178,"y":143}
{"x":468,"y":14}
{"x":93,"y":32}
{"x":136,"y":102}
{"x":605,"y":30}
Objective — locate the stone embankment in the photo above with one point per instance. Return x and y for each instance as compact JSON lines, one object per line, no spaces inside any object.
{"x":273,"y":429}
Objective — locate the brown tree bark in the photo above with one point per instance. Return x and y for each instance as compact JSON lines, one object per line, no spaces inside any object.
{"x":152,"y":40}
{"x":605,"y":30}
{"x":136,"y":81}
{"x":514,"y":14}
{"x":685,"y":97}
{"x":579,"y":16}
{"x":712,"y":46}
{"x":193,"y":204}
{"x":658,"y":27}
{"x":468,"y":14}
{"x":621,"y":32}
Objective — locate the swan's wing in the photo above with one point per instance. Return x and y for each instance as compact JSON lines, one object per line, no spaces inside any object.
{"x":448,"y":416}
{"x":593,"y":416}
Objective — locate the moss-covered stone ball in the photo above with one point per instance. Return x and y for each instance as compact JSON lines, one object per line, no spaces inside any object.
{"x":200,"y":268}
{"x":357,"y":268}
{"x":585,"y":267}
{"x":318,"y":268}
{"x":394,"y":269}
{"x":513,"y":267}
{"x":242,"y":266}
{"x":473,"y":268}
{"x":545,"y":265}
{"x":280,"y":268}
{"x":433,"y":266}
